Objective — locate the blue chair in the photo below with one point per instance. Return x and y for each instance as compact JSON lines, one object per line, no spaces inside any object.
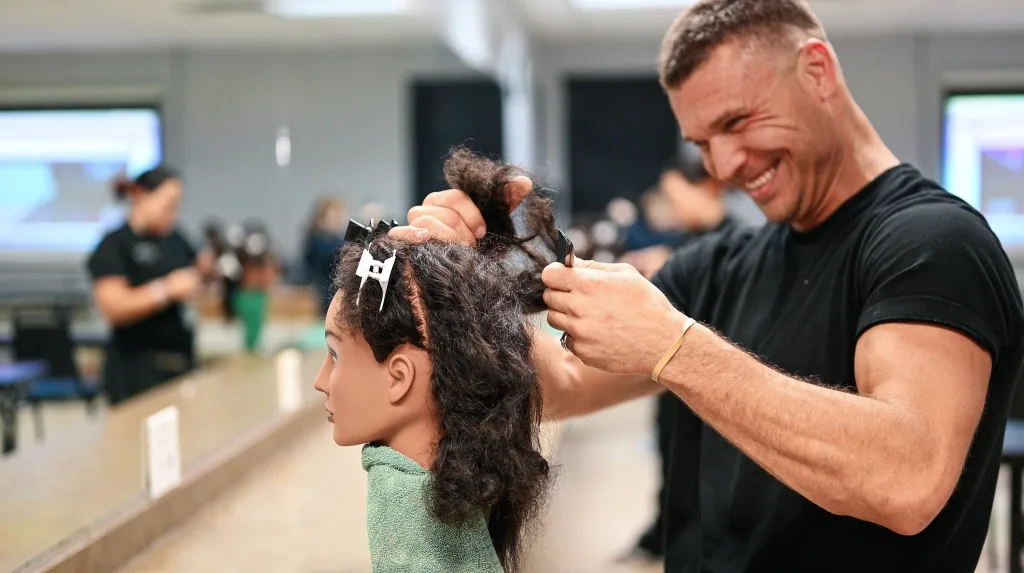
{"x":44,"y":334}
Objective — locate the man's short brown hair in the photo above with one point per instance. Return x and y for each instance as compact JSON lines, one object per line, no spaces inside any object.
{"x":710,"y":23}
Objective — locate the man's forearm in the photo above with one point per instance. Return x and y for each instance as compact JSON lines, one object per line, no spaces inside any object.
{"x":850,"y":454}
{"x":572,"y":389}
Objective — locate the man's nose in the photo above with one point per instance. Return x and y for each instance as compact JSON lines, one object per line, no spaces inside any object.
{"x":726,"y":156}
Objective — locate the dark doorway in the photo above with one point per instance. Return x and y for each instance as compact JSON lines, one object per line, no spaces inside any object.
{"x":621,"y":133}
{"x":448,"y":113}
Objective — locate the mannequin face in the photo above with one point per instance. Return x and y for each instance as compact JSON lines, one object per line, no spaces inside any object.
{"x":368,"y":401}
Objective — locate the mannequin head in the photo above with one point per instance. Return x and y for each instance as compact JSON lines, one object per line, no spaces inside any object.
{"x":438,"y":366}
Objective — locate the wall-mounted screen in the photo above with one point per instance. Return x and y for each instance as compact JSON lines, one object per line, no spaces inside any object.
{"x":983,"y":159}
{"x":56,"y":169}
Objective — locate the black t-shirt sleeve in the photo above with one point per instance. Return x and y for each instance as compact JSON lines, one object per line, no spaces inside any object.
{"x":107,"y":260}
{"x":940,"y":263}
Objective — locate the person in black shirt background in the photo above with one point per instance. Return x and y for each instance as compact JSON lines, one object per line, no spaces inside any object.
{"x":843,"y":394}
{"x":702,"y":205}
{"x":142,"y":274}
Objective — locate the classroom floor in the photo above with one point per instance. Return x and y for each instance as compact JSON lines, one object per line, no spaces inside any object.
{"x":305,"y":511}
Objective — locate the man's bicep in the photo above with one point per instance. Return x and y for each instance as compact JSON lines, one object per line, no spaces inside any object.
{"x":937,"y":375}
{"x":905,"y":363}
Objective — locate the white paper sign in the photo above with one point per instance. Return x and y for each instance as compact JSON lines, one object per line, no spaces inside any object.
{"x":289,"y":380}
{"x":163,"y":452}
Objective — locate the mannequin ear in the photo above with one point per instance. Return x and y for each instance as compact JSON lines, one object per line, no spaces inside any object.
{"x":402,"y":371}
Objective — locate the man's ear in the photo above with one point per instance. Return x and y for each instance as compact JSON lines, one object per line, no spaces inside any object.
{"x":818,"y":67}
{"x":402,"y":371}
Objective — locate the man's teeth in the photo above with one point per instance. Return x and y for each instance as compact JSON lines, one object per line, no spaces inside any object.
{"x":762,"y":180}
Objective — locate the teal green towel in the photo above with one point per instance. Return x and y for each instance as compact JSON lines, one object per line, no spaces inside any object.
{"x":405,"y":537}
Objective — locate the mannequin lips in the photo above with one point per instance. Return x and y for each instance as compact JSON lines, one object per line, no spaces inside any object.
{"x":330,"y":416}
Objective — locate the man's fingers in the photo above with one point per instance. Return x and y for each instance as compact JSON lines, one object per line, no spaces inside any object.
{"x":446,"y":216}
{"x":557,"y":276}
{"x":459,"y":202}
{"x":438,"y":230}
{"x":518,"y":190}
{"x":607,"y":267}
{"x":409,"y":234}
{"x":559,"y":321}
{"x":559,"y":301}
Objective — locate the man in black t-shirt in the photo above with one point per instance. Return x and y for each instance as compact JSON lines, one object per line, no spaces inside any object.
{"x":845,"y":389}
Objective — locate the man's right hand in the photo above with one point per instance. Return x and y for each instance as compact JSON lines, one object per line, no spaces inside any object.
{"x":452,"y":217}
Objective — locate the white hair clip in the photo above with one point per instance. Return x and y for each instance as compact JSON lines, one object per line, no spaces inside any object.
{"x":379,"y":271}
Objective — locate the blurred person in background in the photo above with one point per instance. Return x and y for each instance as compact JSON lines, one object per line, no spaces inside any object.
{"x":259,"y":272}
{"x":324,"y":240}
{"x":696,"y":204}
{"x":658,"y":226}
{"x":143,"y":274}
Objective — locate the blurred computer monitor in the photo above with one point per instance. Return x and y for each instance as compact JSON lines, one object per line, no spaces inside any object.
{"x":983,"y":159}
{"x":56,"y":169}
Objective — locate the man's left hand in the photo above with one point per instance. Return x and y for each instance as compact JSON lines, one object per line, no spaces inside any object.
{"x":617,"y":320}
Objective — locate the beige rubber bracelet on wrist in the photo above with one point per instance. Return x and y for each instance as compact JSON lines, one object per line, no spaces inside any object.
{"x":672,"y":351}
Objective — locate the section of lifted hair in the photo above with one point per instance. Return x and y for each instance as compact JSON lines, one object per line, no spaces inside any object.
{"x":526,"y":242}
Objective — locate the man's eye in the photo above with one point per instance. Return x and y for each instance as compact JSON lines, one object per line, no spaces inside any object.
{"x":733,"y":123}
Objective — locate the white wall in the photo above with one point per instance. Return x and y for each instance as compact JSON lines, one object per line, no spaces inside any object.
{"x":348,"y":111}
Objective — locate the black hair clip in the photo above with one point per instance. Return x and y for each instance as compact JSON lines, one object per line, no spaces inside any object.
{"x":565,"y":251}
{"x":383,"y":227}
{"x":566,"y":254}
{"x":358,"y":233}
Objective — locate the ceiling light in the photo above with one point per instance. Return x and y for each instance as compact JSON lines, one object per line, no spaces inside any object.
{"x":335,"y":8}
{"x":629,"y":4}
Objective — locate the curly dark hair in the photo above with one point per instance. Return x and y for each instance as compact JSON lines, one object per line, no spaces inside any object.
{"x":467,"y":307}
